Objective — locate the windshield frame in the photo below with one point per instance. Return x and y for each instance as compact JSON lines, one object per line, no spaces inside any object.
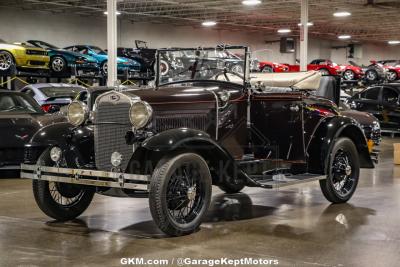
{"x":246,"y":63}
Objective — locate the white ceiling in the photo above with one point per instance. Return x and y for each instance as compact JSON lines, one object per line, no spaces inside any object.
{"x":377,"y":21}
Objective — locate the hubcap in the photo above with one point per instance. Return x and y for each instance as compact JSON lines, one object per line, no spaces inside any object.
{"x":5,"y":61}
{"x":57,"y":64}
{"x":341,"y":173}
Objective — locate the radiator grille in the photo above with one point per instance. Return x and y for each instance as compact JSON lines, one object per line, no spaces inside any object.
{"x":36,"y":52}
{"x":111,"y":125}
{"x":173,"y":121}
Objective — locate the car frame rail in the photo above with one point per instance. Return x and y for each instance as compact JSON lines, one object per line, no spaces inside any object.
{"x":86,"y":177}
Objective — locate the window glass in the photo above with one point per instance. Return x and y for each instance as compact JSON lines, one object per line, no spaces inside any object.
{"x":389,"y":95}
{"x":372,"y":94}
{"x":68,"y":92}
{"x":11,"y":102}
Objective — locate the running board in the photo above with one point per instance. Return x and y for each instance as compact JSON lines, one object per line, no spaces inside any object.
{"x":282,"y":180}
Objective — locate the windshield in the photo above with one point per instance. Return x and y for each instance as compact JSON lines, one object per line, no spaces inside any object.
{"x":98,"y":50}
{"x":58,"y":92}
{"x":43,"y":45}
{"x":19,"y":103}
{"x":184,"y":64}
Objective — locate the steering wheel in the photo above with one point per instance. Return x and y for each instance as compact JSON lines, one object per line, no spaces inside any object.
{"x":225,"y":72}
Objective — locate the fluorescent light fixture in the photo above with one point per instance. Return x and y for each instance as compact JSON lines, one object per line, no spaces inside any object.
{"x":284,"y":30}
{"x":344,"y":37}
{"x":116,"y":13}
{"x":251,"y":2}
{"x":209,"y":23}
{"x":393,"y":42}
{"x":342,"y":14}
{"x":308,"y":23}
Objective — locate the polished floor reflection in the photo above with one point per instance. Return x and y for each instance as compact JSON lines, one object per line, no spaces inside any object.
{"x":297,"y":226}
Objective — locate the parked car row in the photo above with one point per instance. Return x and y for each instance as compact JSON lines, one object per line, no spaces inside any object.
{"x":377,"y":71}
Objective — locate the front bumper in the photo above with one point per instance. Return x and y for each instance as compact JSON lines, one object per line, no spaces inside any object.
{"x":32,"y":62}
{"x":86,"y":177}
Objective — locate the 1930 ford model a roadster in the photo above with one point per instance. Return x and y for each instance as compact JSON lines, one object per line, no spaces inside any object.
{"x":174,"y":141}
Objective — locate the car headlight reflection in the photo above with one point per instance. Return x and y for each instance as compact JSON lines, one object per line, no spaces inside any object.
{"x":77,"y":113}
{"x":140,"y":114}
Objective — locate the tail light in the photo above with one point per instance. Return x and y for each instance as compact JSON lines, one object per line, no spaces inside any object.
{"x":46,"y":107}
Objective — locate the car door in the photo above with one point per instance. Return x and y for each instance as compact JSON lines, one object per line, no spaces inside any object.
{"x":277,"y":126}
{"x":390,"y":108}
{"x":369,"y":101}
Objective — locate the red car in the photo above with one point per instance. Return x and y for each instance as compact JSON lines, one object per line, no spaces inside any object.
{"x":393,"y":69}
{"x":327,"y":67}
{"x":268,"y":66}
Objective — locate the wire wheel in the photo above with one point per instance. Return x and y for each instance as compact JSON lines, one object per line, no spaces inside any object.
{"x":237,"y":69}
{"x":348,"y":75}
{"x":58,"y":64}
{"x":185,"y":194}
{"x":6,"y":60}
{"x":65,"y":195}
{"x":342,"y":173}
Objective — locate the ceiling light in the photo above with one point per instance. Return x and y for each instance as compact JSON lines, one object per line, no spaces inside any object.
{"x":116,"y":13}
{"x":209,"y":23}
{"x":342,"y":14}
{"x":251,"y":2}
{"x":308,"y":24}
{"x":393,"y":42}
{"x":284,"y":30}
{"x":344,"y":37}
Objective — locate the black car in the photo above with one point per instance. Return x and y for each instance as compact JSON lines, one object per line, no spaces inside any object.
{"x":173,"y":141}
{"x":20,"y":118}
{"x":142,"y":54}
{"x":382,"y":101}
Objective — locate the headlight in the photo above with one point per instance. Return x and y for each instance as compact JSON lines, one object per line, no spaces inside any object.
{"x":140,"y":114}
{"x":376,"y":126}
{"x":116,"y":159}
{"x":77,"y":113}
{"x":55,"y":154}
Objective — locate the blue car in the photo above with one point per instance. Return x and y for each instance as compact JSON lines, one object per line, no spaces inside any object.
{"x":101,"y":56}
{"x":63,"y":61}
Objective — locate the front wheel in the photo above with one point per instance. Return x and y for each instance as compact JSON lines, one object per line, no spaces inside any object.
{"x":180,"y":193}
{"x":349,"y":75}
{"x":58,"y":65}
{"x":392,"y":76}
{"x":60,"y":201}
{"x":371,"y":75}
{"x":267,"y":69}
{"x":343,"y":172}
{"x":324,"y":72}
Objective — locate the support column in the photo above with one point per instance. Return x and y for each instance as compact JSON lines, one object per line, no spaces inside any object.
{"x":112,"y":75}
{"x":304,"y":36}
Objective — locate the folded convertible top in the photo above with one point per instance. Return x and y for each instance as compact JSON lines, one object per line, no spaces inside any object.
{"x":309,"y":80}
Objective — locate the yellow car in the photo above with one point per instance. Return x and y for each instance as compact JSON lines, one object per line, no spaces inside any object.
{"x":23,"y":57}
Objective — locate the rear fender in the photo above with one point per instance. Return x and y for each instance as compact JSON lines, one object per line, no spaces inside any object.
{"x":222,"y":166}
{"x":328,"y":131}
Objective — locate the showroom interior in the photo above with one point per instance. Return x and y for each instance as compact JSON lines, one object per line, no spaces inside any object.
{"x":199,"y":133}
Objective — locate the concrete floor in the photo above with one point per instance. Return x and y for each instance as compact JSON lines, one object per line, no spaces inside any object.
{"x":296,"y":226}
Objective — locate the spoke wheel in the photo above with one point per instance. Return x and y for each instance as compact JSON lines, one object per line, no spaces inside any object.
{"x":342,"y":172}
{"x":60,"y":201}
{"x":6,"y":60}
{"x":180,"y":193}
{"x":237,"y":69}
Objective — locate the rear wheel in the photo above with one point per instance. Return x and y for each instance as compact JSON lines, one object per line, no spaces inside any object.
{"x":324,"y":72}
{"x":371,"y":75}
{"x":60,"y":201}
{"x":180,"y":193}
{"x":392,"y":76}
{"x":104,"y":67}
{"x":343,"y":172}
{"x":267,"y":69}
{"x":349,"y":75}
{"x":58,"y":65}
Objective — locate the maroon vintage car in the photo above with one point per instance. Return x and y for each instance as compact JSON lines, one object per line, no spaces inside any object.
{"x":173,"y":141}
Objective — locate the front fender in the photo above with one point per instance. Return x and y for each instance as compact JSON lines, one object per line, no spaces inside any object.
{"x":77,"y":143}
{"x":222,"y":166}
{"x":328,"y":131}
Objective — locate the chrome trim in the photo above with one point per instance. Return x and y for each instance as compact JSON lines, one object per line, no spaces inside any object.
{"x":81,"y":176}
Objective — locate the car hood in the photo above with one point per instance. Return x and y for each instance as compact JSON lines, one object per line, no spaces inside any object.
{"x":364,"y":118}
{"x":21,"y":46}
